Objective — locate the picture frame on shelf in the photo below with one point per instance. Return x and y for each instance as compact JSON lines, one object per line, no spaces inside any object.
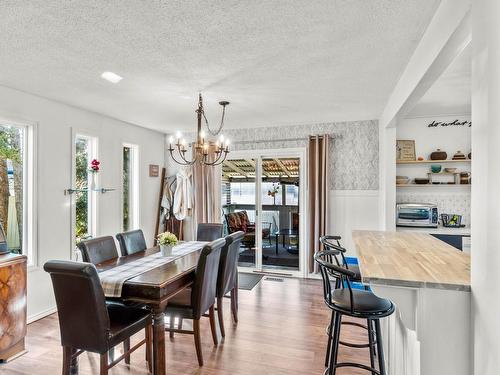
{"x":405,"y":150}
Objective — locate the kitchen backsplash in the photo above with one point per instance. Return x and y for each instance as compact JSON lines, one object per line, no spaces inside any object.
{"x":448,"y":203}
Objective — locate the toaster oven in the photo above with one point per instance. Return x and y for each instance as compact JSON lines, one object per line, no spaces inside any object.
{"x":416,"y":215}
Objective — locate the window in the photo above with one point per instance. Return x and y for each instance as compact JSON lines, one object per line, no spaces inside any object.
{"x":130,"y":185}
{"x":292,"y":195}
{"x":85,"y":199}
{"x":242,"y":192}
{"x":16,"y":187}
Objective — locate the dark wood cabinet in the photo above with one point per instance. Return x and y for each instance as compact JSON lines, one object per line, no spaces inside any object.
{"x":12,"y":305}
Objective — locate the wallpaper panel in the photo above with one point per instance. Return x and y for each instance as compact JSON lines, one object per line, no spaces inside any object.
{"x":354,"y":149}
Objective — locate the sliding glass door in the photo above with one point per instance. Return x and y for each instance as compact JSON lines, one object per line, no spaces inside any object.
{"x":262,"y":196}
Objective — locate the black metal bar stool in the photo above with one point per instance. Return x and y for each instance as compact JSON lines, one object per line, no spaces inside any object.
{"x":338,"y":251}
{"x":363,"y":304}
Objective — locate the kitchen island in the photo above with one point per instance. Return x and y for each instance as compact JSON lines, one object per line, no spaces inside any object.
{"x":429,"y":281}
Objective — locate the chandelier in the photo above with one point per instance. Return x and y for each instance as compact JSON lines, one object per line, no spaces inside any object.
{"x":204,"y":151}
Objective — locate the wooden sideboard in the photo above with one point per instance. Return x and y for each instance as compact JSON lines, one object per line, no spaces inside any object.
{"x":12,"y":305}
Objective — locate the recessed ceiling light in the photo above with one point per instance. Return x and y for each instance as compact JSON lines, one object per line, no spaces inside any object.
{"x":111,"y":77}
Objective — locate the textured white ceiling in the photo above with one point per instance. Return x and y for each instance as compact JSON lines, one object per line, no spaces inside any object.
{"x":278,"y":62}
{"x":451,"y":93}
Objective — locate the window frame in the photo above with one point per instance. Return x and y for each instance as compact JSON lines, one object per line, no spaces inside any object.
{"x":134,"y":194}
{"x":30,"y":184}
{"x":93,"y":218}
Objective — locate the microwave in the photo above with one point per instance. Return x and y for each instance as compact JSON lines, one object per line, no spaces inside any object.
{"x":416,"y":215}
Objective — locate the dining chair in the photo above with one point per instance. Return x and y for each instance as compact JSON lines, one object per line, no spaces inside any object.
{"x":102,"y":249}
{"x":131,"y":242}
{"x":227,"y":278}
{"x":86,"y":322}
{"x":98,"y":250}
{"x":193,"y":302}
{"x":209,"y":231}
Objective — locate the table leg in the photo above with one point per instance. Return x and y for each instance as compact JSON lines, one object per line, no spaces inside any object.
{"x":159,"y":361}
{"x":277,"y":240}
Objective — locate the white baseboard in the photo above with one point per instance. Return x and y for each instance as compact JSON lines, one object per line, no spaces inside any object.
{"x":42,"y":314}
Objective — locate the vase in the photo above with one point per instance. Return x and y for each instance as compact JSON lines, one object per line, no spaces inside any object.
{"x":92,"y":185}
{"x":166,"y":250}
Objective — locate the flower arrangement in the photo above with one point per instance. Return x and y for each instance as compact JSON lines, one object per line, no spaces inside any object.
{"x":167,"y":239}
{"x":94,"y":166}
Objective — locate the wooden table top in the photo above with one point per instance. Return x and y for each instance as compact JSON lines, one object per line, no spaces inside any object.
{"x":411,"y":259}
{"x":157,"y":284}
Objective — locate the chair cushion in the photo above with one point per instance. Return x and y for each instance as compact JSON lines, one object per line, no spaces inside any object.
{"x":233,"y":222}
{"x":180,"y":305}
{"x":365,"y":302}
{"x":125,"y":321}
{"x":243,"y":220}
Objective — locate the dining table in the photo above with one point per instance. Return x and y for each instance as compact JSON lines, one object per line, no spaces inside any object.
{"x":154,"y":287}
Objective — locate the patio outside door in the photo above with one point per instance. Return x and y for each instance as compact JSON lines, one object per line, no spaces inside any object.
{"x":262,"y":195}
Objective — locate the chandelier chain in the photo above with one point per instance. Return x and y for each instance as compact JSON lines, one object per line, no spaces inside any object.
{"x":221,"y":125}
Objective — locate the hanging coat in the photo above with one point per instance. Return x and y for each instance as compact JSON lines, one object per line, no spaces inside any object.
{"x":183,"y":196}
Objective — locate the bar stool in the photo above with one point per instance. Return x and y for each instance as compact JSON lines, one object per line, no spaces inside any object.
{"x":361,"y":304}
{"x":327,"y":243}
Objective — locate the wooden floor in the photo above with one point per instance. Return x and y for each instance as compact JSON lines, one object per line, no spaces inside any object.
{"x":281,"y":332}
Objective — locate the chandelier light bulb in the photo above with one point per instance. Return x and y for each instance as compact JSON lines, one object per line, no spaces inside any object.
{"x":221,"y":138}
{"x":170,"y":139}
{"x":202,"y":134}
{"x":178,"y":135}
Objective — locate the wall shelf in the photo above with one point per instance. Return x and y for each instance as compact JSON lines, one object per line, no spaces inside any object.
{"x":433,"y":161}
{"x":430,"y":185}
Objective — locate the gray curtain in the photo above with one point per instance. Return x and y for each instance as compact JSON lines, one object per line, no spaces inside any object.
{"x":318,"y":194}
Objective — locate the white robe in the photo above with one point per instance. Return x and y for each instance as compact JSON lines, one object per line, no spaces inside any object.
{"x":183,"y":196}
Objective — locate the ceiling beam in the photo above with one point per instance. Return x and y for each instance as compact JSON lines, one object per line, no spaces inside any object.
{"x":447,"y":35}
{"x":283,"y":167}
{"x":235,"y":168}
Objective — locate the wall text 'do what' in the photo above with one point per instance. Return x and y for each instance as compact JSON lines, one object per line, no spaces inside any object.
{"x":435,"y":124}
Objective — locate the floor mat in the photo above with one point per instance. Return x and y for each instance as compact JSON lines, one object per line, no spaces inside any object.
{"x":247,"y":281}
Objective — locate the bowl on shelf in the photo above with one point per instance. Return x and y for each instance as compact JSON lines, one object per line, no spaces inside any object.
{"x":435,"y":168}
{"x":421,"y":181}
{"x":450,"y":170}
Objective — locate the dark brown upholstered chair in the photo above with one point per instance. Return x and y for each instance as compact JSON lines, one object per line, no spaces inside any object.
{"x":193,"y":302}
{"x":227,"y":279}
{"x":98,"y":250}
{"x":131,"y":242}
{"x":239,"y":221}
{"x":86,"y":322}
{"x":209,"y":231}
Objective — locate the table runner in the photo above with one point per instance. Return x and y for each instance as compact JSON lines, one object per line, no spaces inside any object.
{"x":112,"y":280}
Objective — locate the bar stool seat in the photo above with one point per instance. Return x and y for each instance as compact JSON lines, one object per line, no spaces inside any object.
{"x":365,"y":304}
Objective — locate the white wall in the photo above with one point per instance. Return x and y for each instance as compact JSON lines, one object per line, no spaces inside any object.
{"x":485,"y":254}
{"x":54,"y":123}
{"x":353,"y":210}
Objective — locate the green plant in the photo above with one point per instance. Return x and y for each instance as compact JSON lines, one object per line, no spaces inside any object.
{"x":167,"y":238}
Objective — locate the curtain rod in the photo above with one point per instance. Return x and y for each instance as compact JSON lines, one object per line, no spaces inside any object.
{"x":281,"y":139}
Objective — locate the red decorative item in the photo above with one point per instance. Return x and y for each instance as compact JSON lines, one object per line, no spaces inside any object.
{"x":94,"y":166}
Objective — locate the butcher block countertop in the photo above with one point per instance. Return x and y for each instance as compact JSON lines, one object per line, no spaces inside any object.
{"x":411,"y":259}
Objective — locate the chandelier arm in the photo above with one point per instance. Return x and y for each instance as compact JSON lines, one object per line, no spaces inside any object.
{"x":173,"y":157}
{"x":215,"y":161}
{"x":223,"y":159}
{"x":181,"y":154}
{"x":218,"y":161}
